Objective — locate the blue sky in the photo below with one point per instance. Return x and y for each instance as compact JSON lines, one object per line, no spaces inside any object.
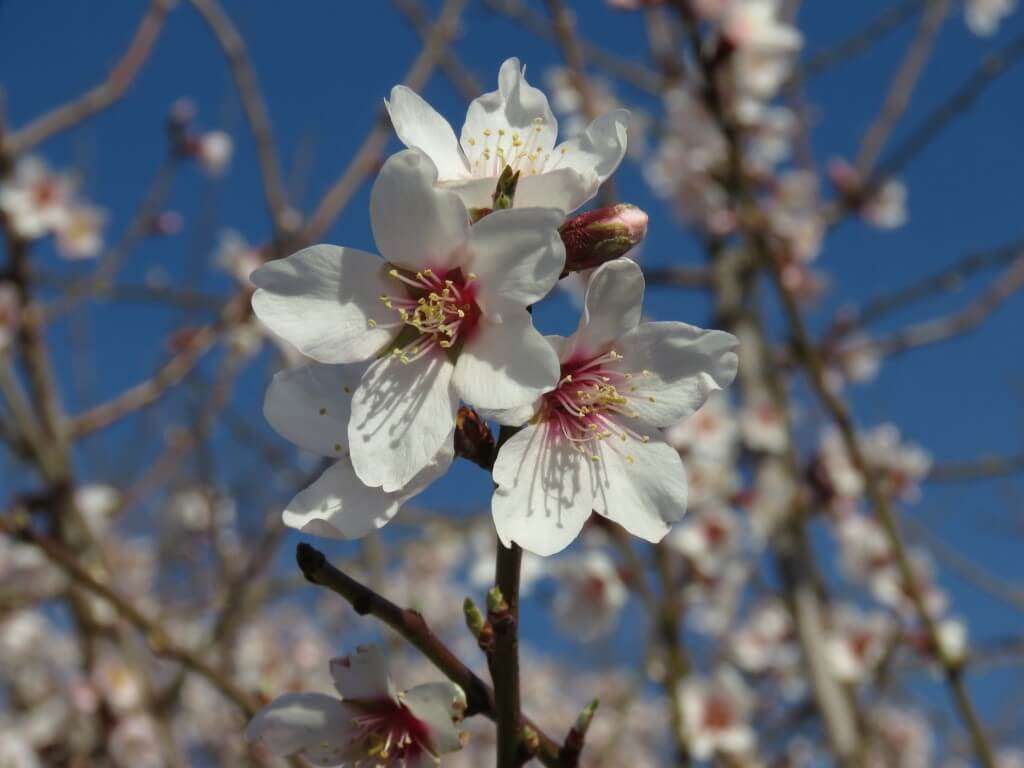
{"x":326,"y":66}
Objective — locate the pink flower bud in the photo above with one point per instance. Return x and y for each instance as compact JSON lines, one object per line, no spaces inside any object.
{"x":595,"y":237}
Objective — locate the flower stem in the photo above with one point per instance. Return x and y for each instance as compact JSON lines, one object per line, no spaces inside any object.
{"x":505,"y":666}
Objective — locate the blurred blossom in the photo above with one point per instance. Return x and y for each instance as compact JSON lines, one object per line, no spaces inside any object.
{"x":900,"y":465}
{"x":590,"y":595}
{"x":983,"y":17}
{"x":715,"y":715}
{"x":80,"y":235}
{"x":15,"y":750}
{"x":763,"y":426}
{"x":709,"y":434}
{"x":765,"y":642}
{"x":213,"y":151}
{"x":708,"y":536}
{"x":901,"y":738}
{"x":118,"y":684}
{"x":858,"y":358}
{"x":135,"y":743}
{"x":856,"y":642}
{"x":236,"y":257}
{"x":36,"y":200}
{"x":714,"y":599}
{"x":764,"y":49}
{"x":887,"y":208}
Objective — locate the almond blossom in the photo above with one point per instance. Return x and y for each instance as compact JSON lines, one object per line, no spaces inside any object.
{"x":595,"y":441}
{"x":311,"y":406}
{"x":443,"y":315}
{"x":372,"y":723}
{"x":591,"y":595}
{"x":515,"y":127}
{"x":80,"y":235}
{"x":715,"y":715}
{"x":856,"y":642}
{"x":35,"y":200}
{"x":984,"y":16}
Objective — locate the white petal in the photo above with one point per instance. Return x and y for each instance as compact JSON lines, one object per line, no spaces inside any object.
{"x":560,"y":188}
{"x":543,"y":496}
{"x":419,"y":126}
{"x":312,"y":723}
{"x":415,"y":223}
{"x":475,"y":193}
{"x":339,"y":506}
{"x":612,"y":307}
{"x":640,"y":486}
{"x":515,"y":107}
{"x":363,"y":676}
{"x":402,"y":417}
{"x":683,"y":365}
{"x":517,"y":255}
{"x":311,"y":405}
{"x":440,"y":706}
{"x":506,"y":365}
{"x":594,"y":154}
{"x":322,"y":300}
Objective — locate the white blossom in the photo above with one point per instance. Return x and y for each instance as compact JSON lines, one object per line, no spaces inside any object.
{"x":715,"y":715}
{"x":595,"y":441}
{"x":372,"y":721}
{"x":514,"y":127}
{"x":448,"y":303}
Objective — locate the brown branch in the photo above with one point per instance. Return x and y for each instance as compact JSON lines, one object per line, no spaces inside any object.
{"x":862,"y":40}
{"x":156,"y":636}
{"x":255,"y":107}
{"x":505,"y":663}
{"x":903,"y":84}
{"x":150,"y":391}
{"x":101,"y":96}
{"x":618,"y":66}
{"x":985,"y":468}
{"x":368,"y":156}
{"x":465,"y":82}
{"x":413,"y":628}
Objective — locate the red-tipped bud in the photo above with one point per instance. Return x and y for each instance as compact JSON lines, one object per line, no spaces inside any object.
{"x":595,"y":237}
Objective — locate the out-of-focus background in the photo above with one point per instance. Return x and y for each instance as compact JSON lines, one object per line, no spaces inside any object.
{"x":160,"y":375}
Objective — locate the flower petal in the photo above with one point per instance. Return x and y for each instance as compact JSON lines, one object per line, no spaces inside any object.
{"x":311,"y":405}
{"x":611,"y":309}
{"x":641,"y":486}
{"x":560,"y":188}
{"x":682,"y":365}
{"x":323,"y":299}
{"x":363,"y":676}
{"x":419,"y":126}
{"x":517,"y":255}
{"x":515,"y":107}
{"x":594,"y":154}
{"x":440,"y":706}
{"x":402,"y":416}
{"x":506,"y":365}
{"x":338,"y":506}
{"x":415,"y":223}
{"x":543,"y":495}
{"x":312,"y":723}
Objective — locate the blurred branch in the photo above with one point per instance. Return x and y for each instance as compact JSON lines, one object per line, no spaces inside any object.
{"x":156,"y":636}
{"x":863,"y":39}
{"x":984,"y":468}
{"x":148,"y":392}
{"x":98,"y":98}
{"x":903,"y":84}
{"x":459,"y":74}
{"x":618,"y":66}
{"x":256,"y":112}
{"x":369,"y":154}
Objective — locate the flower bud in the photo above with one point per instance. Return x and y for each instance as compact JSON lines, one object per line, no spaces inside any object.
{"x":474,"y":619}
{"x":595,"y":237}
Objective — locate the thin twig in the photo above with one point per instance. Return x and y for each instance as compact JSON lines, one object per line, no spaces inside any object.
{"x":101,"y":96}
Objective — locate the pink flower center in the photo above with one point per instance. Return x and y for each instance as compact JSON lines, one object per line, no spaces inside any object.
{"x":440,"y":311}
{"x":591,"y":402}
{"x":718,"y":714}
{"x":392,"y":734}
